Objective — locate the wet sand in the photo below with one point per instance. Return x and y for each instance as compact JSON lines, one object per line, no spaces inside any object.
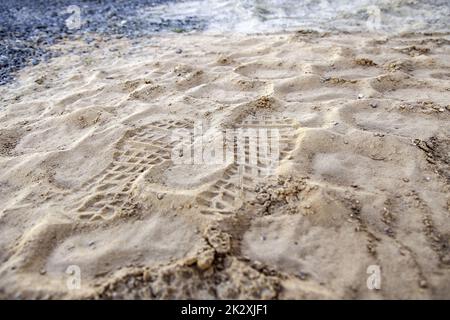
{"x":88,"y":177}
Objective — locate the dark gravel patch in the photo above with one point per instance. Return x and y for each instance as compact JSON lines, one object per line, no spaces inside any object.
{"x":28,"y":28}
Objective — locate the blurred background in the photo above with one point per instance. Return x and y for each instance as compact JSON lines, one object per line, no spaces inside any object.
{"x":27,"y":28}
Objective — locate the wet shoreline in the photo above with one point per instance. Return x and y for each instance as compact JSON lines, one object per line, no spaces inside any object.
{"x":29,"y":29}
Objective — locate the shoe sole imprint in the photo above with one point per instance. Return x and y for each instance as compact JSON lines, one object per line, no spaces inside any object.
{"x":139,"y":151}
{"x":239,"y":179}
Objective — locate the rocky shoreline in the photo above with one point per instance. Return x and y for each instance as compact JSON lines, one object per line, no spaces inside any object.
{"x":29,"y":28}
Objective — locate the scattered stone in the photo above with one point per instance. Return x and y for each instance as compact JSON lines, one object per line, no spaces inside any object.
{"x":333,"y":80}
{"x":3,"y":61}
{"x":179,"y":51}
{"x":40,"y":80}
{"x":373,"y":105}
{"x":446,"y":259}
{"x":28,"y":30}
{"x":303,"y":275}
{"x":146,"y":276}
{"x":365,"y":62}
{"x":423,"y":284}
{"x":178,"y":30}
{"x":205,"y":260}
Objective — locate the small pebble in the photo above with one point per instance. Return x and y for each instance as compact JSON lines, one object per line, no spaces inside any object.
{"x":360,"y":96}
{"x":446,"y":259}
{"x":373,"y":104}
{"x":423,"y":284}
{"x":160,"y":196}
{"x":178,"y":51}
{"x":146,"y":276}
{"x":302,"y":275}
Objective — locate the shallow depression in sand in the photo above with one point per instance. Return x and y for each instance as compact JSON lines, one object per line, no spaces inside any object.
{"x":149,"y":241}
{"x":414,"y":125}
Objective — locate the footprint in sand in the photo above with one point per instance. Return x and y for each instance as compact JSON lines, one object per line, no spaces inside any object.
{"x":239,"y":179}
{"x":135,"y":154}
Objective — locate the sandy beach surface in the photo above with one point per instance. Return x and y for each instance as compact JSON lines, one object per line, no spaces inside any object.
{"x":90,"y":187}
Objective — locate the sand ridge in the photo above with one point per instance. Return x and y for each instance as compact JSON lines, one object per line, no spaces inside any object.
{"x":88,"y":177}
